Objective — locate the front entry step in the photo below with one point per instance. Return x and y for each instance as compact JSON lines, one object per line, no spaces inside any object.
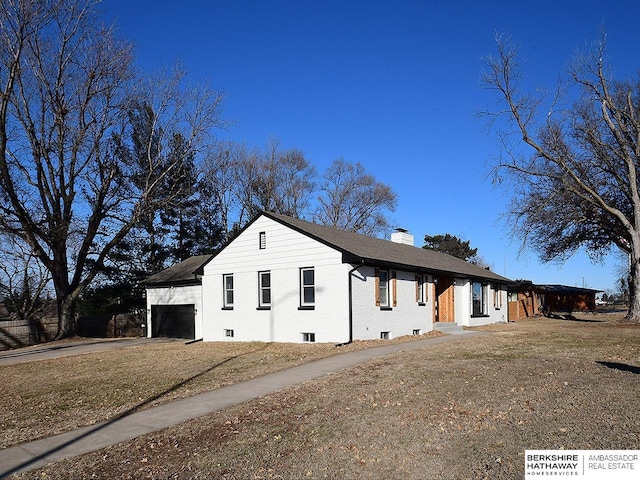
{"x":451,"y":328}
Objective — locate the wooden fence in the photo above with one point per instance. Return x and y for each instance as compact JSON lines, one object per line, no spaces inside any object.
{"x":21,"y":333}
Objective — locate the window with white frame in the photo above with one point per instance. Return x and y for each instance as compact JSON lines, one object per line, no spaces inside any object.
{"x":383,"y":288}
{"x":264,"y":289}
{"x":309,"y":337}
{"x":227,"y":295}
{"x":497,"y":297}
{"x":307,"y":287}
{"x":478,"y":298}
{"x":421,"y":289}
{"x":262,"y":241}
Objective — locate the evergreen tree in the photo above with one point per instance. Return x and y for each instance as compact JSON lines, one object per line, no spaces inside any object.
{"x":451,"y":245}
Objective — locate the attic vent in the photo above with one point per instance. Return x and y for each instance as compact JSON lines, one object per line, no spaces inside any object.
{"x":402,"y":236}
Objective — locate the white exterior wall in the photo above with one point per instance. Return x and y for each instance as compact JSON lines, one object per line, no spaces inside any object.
{"x":181,"y":295}
{"x":286,"y":252}
{"x":370,"y":320}
{"x":464,"y":307}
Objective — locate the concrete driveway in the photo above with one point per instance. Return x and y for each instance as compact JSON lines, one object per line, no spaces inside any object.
{"x":66,"y":348}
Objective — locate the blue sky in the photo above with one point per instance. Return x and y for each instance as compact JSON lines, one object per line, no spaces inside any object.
{"x":392,"y":85}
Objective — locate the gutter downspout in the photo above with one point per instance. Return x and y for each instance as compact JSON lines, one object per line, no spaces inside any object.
{"x":351,"y":304}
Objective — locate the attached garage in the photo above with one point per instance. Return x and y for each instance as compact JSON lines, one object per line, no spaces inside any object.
{"x":176,"y":321}
{"x":174,"y":300}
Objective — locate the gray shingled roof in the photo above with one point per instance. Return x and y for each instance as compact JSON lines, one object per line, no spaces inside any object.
{"x":358,"y":248}
{"x":564,"y":289}
{"x":355,"y":248}
{"x":186,"y":272}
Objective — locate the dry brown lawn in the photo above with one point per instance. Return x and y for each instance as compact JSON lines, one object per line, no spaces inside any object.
{"x":44,"y":398}
{"x":452,"y":411}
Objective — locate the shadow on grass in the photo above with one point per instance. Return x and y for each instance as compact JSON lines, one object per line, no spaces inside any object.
{"x":571,"y":318}
{"x":621,"y":366}
{"x":132,"y":410}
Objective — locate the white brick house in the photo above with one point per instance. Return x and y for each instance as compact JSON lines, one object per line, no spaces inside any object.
{"x":287,"y":280}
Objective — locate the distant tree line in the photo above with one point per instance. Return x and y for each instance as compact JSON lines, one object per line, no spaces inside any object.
{"x":245,"y":181}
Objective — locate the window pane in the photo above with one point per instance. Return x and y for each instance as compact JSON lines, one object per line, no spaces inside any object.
{"x":309,"y":295}
{"x":478,"y":292}
{"x":265,"y":288}
{"x":266,"y":296}
{"x":384,"y":288}
{"x":307,"y":286}
{"x":228,"y":290}
{"x":307,"y":277}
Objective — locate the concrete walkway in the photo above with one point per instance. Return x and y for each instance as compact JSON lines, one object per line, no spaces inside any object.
{"x":132,"y":424}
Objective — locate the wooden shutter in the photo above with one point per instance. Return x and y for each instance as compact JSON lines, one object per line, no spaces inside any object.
{"x":377,"y":286}
{"x":417,"y":288}
{"x":394,"y":289}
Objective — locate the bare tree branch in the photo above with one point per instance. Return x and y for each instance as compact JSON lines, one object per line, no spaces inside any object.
{"x":579,"y":186}
{"x":352,"y":199}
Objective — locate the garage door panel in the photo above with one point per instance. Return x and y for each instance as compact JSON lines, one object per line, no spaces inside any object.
{"x":176,"y":321}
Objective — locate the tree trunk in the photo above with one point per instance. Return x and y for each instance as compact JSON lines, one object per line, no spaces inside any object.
{"x":634,"y":295}
{"x":66,"y":318}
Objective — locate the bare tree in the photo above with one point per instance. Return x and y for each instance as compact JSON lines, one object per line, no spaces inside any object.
{"x":352,"y":199}
{"x":220,"y":175}
{"x":246,"y":181}
{"x":284,"y":181}
{"x":578,"y":186}
{"x":24,"y":284}
{"x":66,"y":187}
{"x":228,"y":173}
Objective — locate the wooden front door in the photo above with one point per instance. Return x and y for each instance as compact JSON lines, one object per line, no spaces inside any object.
{"x":444,"y":305}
